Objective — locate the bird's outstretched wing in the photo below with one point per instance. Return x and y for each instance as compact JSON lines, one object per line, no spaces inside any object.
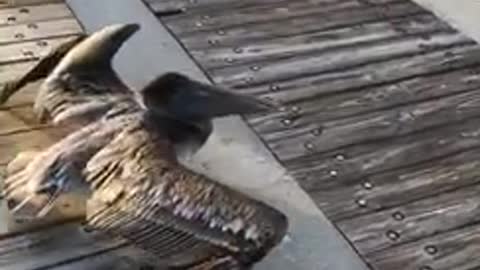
{"x":40,"y":69}
{"x":83,"y":86}
{"x":143,"y":195}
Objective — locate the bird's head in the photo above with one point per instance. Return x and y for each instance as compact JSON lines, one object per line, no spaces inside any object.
{"x":193,"y":104}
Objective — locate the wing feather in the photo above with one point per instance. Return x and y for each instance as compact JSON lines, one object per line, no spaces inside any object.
{"x":164,"y":208}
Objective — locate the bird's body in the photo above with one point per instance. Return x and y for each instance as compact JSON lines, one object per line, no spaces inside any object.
{"x":122,"y":160}
{"x":142,"y":193}
{"x":138,"y":191}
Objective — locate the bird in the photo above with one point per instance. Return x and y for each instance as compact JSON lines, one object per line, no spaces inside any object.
{"x":139,"y":191}
{"x":80,"y":83}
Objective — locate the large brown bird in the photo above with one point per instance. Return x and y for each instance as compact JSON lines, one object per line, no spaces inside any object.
{"x":138,"y":190}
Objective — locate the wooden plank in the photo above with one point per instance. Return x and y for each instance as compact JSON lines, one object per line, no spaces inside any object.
{"x":13,"y":143}
{"x":210,"y":7}
{"x":7,"y":4}
{"x":363,"y":100}
{"x":337,"y":59}
{"x":193,"y":7}
{"x":61,"y":247}
{"x":326,"y":41}
{"x":443,"y":171}
{"x":371,"y":75}
{"x":30,"y":50}
{"x":456,"y":249}
{"x":253,"y":15}
{"x":420,"y":219}
{"x":41,"y":30}
{"x":378,"y":125}
{"x":13,"y":70}
{"x":290,"y":136}
{"x":361,"y":161}
{"x":322,"y":21}
{"x":30,"y":14}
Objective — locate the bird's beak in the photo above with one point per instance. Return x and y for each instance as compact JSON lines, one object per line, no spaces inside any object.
{"x":198,"y":100}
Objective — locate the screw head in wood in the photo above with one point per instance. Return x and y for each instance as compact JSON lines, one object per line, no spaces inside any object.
{"x":19,"y":36}
{"x":362,"y":202}
{"x":213,"y":42}
{"x":333,"y":173}
{"x":255,"y":68}
{"x":431,"y":249}
{"x":295,"y":109}
{"x":317,"y":132}
{"x":398,"y":216}
{"x":367,"y":185}
{"x":393,"y":235}
{"x":229,"y":60}
{"x":27,"y":53}
{"x":237,"y":50}
{"x":286,"y":122}
{"x":309,"y":146}
{"x":24,"y":10}
{"x":42,"y":43}
{"x":340,"y":157}
{"x":32,"y":26}
{"x":221,"y":32}
{"x":274,"y":87}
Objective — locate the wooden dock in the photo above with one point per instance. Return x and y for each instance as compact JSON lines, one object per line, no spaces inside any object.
{"x":380,"y":119}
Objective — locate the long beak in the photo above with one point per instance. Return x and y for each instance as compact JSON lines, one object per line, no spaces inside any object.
{"x":188,"y":99}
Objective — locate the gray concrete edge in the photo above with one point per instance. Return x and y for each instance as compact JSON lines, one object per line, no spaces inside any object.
{"x":463,"y":15}
{"x":233,"y":154}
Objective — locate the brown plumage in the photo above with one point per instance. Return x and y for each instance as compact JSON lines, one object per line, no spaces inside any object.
{"x":80,"y":84}
{"x":138,"y":190}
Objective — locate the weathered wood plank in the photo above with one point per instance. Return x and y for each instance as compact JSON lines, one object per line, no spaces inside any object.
{"x":192,"y":8}
{"x":420,"y":219}
{"x":5,"y":3}
{"x":30,"y":50}
{"x":290,"y":135}
{"x":360,"y":162}
{"x":378,"y":125}
{"x":368,"y":99}
{"x":29,"y":14}
{"x":13,"y":70}
{"x":321,"y":21}
{"x":445,"y":171}
{"x":62,"y":247}
{"x":252,"y":15}
{"x":41,"y":30}
{"x":337,"y":59}
{"x":456,"y":249}
{"x":15,"y":142}
{"x":326,"y":41}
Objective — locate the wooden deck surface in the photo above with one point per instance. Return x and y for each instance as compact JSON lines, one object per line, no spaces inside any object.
{"x":380,"y":124}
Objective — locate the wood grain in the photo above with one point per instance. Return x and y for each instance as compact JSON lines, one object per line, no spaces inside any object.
{"x":379,"y":117}
{"x":290,"y":26}
{"x":44,"y":29}
{"x":456,"y":249}
{"x":34,"y":13}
